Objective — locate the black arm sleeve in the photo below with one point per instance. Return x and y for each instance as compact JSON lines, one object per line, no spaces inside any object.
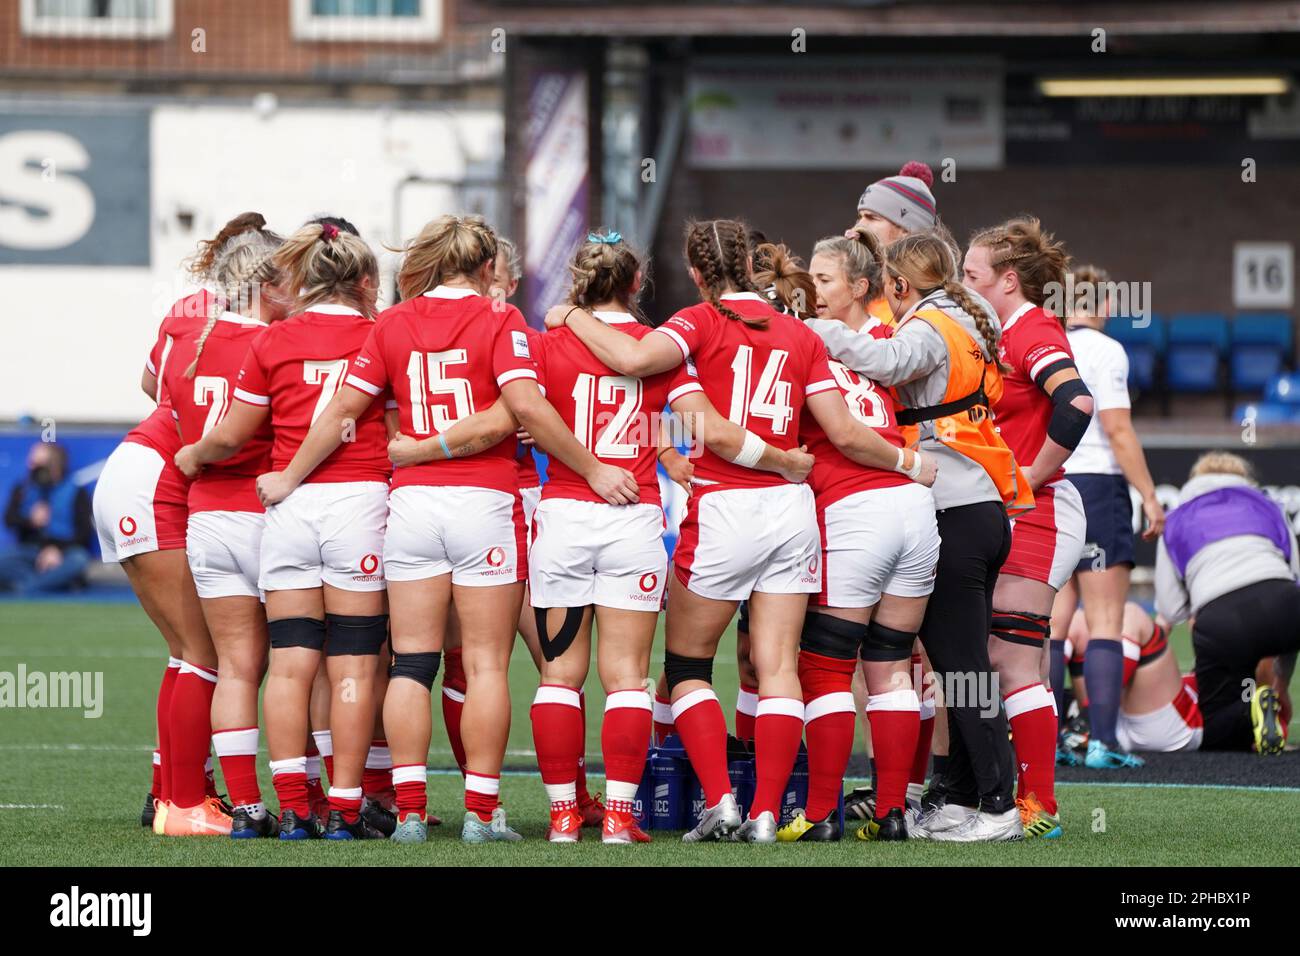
{"x":1067,"y":424}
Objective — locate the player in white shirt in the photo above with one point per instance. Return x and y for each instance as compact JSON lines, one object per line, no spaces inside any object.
{"x":1107,"y":460}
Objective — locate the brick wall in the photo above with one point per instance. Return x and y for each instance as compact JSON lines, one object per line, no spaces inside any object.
{"x":1171,"y":226}
{"x":242,"y":37}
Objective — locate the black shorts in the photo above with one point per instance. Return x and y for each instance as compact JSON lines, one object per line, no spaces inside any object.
{"x":1109,"y":510}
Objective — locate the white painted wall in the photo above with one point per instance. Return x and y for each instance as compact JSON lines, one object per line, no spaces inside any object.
{"x":77,"y":336}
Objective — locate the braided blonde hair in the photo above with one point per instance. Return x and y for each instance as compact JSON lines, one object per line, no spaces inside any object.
{"x":928,"y":262}
{"x":239,"y":270}
{"x":200,"y":264}
{"x":446,"y":247}
{"x":321,"y":262}
{"x":605,"y":272}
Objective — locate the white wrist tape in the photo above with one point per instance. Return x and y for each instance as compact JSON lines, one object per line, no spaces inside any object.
{"x":915,"y":471}
{"x":751,"y":451}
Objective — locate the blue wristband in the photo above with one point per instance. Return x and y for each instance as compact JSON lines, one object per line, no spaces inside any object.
{"x":445,"y":450}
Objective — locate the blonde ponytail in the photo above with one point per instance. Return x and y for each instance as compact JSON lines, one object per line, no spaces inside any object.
{"x":322,"y":262}
{"x":445,"y":248}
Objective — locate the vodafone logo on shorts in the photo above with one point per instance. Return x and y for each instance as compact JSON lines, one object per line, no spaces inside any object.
{"x":369,"y":566}
{"x":649,"y":584}
{"x":127,"y":525}
{"x":496,"y":558}
{"x":813,"y":563}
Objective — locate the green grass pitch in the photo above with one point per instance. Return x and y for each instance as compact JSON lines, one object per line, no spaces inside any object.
{"x":71,"y":787}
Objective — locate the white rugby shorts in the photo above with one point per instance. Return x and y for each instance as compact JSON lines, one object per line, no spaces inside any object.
{"x":587,"y":552}
{"x":326,"y":532}
{"x":735,"y":541}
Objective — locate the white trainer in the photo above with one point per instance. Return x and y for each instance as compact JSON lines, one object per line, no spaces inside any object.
{"x":950,"y":816}
{"x":986,"y":828}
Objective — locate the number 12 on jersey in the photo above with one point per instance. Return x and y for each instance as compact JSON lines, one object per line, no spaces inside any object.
{"x":588,"y":391}
{"x":771,"y":397}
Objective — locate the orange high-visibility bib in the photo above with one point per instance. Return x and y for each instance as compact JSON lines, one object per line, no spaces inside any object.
{"x":963,"y":420}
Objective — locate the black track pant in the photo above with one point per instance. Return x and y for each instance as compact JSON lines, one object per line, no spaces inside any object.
{"x":955,"y":633}
{"x":1233,"y":633}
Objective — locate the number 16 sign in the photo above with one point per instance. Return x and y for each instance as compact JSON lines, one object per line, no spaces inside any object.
{"x":1263,"y":275}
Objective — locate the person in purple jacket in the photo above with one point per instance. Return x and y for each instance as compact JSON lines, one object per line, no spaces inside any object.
{"x":1229,"y":561}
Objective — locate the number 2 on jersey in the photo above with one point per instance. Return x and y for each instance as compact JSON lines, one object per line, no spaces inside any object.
{"x":771,"y":398}
{"x":427,"y":372}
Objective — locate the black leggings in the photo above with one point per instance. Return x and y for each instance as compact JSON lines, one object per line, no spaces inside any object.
{"x":1233,"y":633}
{"x":955,"y":634}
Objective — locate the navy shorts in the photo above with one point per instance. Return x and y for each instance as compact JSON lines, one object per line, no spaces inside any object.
{"x":1109,"y":510}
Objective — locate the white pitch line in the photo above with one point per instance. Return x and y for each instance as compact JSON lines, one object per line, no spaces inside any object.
{"x":136,"y":653}
{"x":135,"y":748}
{"x":31,"y":806}
{"x":66,"y":747}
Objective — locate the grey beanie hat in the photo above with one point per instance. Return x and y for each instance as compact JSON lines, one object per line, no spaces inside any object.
{"x":905,"y":199}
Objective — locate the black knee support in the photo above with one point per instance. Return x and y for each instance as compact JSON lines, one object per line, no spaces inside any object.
{"x":297,"y":632}
{"x":742,"y":623}
{"x":421,"y":668}
{"x":886,"y":644}
{"x":1018,"y":627}
{"x":349,"y":634}
{"x":678,"y":668}
{"x":832,"y":636}
{"x":553,"y":647}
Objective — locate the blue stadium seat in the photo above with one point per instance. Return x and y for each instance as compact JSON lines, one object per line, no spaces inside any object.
{"x":1143,"y":343}
{"x":1251,"y":367}
{"x":1264,"y":328}
{"x":1197,"y":343}
{"x":1284,"y":389}
{"x":1261,"y":347}
{"x":1268,"y":413}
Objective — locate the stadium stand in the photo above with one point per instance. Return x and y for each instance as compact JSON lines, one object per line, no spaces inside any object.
{"x":1197,"y":344}
{"x":1261,"y":348}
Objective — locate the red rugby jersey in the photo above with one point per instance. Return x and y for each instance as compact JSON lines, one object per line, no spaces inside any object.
{"x":200,"y":403}
{"x":446,"y":354}
{"x":834,"y":476}
{"x":615,"y":416}
{"x":758,"y":378}
{"x":296,"y":367}
{"x":1032,"y":340}
{"x":525,"y":463}
{"x":186,"y":318}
